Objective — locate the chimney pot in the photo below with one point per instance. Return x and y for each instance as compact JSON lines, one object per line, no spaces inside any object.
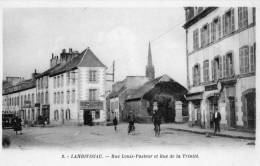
{"x":70,"y":50}
{"x":63,"y":50}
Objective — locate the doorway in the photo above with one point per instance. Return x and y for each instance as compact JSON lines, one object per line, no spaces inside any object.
{"x":251,"y":110}
{"x":88,"y":117}
{"x":232,"y":112}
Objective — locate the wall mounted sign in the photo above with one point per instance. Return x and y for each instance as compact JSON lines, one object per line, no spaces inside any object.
{"x":91,"y":105}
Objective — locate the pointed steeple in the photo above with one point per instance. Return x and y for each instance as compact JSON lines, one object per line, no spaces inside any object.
{"x":150,"y":68}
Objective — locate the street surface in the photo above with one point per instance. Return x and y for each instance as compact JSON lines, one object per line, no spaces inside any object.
{"x":104,"y":136}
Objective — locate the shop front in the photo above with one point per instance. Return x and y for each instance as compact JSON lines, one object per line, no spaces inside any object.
{"x":195,"y":112}
{"x":91,"y":111}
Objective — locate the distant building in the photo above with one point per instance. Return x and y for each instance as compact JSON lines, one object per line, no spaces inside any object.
{"x":220,"y":51}
{"x":149,"y":72}
{"x":118,"y":95}
{"x":19,"y":99}
{"x":169,"y":95}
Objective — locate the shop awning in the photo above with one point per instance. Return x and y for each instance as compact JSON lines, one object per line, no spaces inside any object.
{"x":194,"y":96}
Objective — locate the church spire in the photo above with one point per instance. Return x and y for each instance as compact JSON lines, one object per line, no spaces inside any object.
{"x":150,"y":67}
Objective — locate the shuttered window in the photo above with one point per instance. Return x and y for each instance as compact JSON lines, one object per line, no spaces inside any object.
{"x":92,"y":94}
{"x":206,"y":70}
{"x":242,"y":17}
{"x":205,"y":35}
{"x":244,"y":59}
{"x":196,"y":39}
{"x":196,"y":75}
{"x":252,"y":58}
{"x":216,"y":68}
{"x":228,"y":22}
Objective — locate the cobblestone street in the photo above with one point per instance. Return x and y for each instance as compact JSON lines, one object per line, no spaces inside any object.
{"x":80,"y":137}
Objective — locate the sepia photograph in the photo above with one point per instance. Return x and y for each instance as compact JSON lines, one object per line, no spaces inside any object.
{"x":75,"y":78}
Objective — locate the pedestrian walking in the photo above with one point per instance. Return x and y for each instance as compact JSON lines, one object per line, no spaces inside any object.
{"x":115,"y":121}
{"x":17,"y":125}
{"x":131,"y":123}
{"x":217,"y":119}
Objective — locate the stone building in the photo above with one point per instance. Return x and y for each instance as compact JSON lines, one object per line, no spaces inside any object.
{"x":72,"y":90}
{"x":19,"y":99}
{"x":169,"y":94}
{"x":220,"y":53}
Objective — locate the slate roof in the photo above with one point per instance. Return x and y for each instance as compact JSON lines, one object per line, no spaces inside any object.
{"x":21,"y":86}
{"x":85,"y":59}
{"x":148,"y":86}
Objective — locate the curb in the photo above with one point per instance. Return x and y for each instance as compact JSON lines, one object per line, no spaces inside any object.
{"x":221,"y":135}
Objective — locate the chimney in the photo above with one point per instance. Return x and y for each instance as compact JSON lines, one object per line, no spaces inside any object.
{"x":70,"y":50}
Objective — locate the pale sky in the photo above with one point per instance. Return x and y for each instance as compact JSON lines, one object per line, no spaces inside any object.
{"x":30,"y":35}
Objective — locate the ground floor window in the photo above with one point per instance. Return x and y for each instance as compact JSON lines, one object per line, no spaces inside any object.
{"x":68,"y":114}
{"x":97,"y":114}
{"x":56,"y":115}
{"x":33,"y":114}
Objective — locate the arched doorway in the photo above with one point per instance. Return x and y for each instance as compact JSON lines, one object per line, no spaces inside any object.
{"x":249,"y":108}
{"x":62,"y":116}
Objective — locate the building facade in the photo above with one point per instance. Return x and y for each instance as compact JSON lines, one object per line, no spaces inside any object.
{"x":19,"y":99}
{"x":220,"y":52}
{"x":72,"y":90}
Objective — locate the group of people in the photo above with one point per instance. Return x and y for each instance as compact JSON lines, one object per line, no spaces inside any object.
{"x":156,"y":118}
{"x":17,"y":124}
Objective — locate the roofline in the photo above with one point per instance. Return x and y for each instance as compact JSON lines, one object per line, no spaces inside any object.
{"x":19,"y":90}
{"x":199,"y":16}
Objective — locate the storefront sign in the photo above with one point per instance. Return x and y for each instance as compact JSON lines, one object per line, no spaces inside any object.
{"x":47,"y":106}
{"x":91,"y":105}
{"x":27,"y":104}
{"x":211,"y":87}
{"x":37,"y":104}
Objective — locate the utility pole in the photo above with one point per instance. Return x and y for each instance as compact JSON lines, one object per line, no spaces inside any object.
{"x":112,"y":74}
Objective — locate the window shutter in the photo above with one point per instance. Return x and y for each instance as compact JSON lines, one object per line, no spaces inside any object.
{"x":245,"y":16}
{"x":240,"y":17}
{"x":198,"y":74}
{"x":232,"y":65}
{"x":223,"y":25}
{"x":241,"y":60}
{"x":201,"y":38}
{"x":232,"y":20}
{"x":220,"y":67}
{"x":247,"y":59}
{"x":212,"y":31}
{"x":208,"y":34}
{"x":252,"y":67}
{"x":194,"y":47}
{"x":193,"y":76}
{"x":212,"y":70}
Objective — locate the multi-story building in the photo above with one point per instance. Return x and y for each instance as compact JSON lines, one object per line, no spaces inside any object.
{"x":19,"y":99}
{"x":72,"y":91}
{"x":220,"y":49}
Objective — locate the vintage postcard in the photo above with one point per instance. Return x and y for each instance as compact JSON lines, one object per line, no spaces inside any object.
{"x":118,"y":83}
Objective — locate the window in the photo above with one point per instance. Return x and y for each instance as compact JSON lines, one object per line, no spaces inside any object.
{"x":206,"y":70}
{"x":46,"y":98}
{"x":196,"y":75}
{"x":58,"y":81}
{"x":97,"y":114}
{"x":228,"y":22}
{"x":41,"y":83}
{"x":196,"y":39}
{"x":54,"y":98}
{"x":215,"y":29}
{"x":56,"y":115}
{"x":21,"y":101}
{"x":92,"y":94}
{"x":62,"y":98}
{"x":67,"y":114}
{"x":42,"y":98}
{"x":204,"y":33}
{"x":33,"y":99}
{"x":46,"y":83}
{"x":62,"y":80}
{"x":216,"y":65}
{"x":252,"y":58}
{"x":244,"y":59}
{"x":228,"y":66}
{"x":33,"y":114}
{"x":58,"y":98}
{"x":73,"y":77}
{"x":92,"y":75}
{"x":242,"y":17}
{"x":68,"y":97}
{"x":73,"y":96}
{"x":54,"y":82}
{"x":68,"y":78}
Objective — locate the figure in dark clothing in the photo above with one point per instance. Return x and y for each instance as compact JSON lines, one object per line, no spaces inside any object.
{"x":115,"y":123}
{"x":131,"y":123}
{"x":17,"y":125}
{"x":216,"y":119}
{"x":156,"y":118}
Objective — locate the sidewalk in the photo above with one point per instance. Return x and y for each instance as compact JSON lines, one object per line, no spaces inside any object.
{"x":224,"y":133}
